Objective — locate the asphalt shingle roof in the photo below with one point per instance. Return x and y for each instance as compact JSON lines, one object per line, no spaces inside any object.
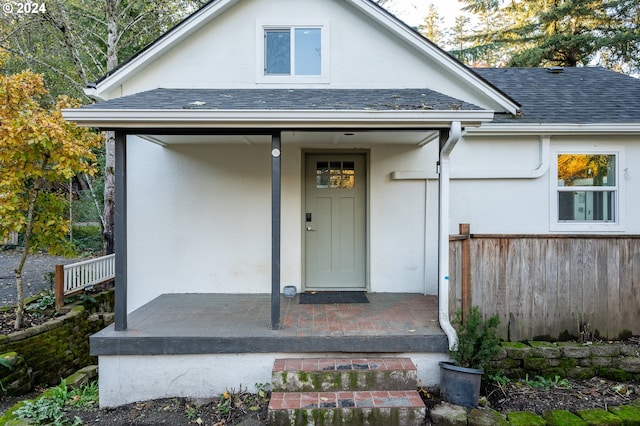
{"x":285,"y":99}
{"x":584,"y":95}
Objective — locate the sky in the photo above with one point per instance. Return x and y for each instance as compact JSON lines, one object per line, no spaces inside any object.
{"x":413,"y":11}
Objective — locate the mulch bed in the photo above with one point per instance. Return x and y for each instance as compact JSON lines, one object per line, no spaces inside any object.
{"x":578,"y":395}
{"x":29,"y":319}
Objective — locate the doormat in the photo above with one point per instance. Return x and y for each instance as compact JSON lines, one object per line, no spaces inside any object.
{"x":329,"y":297}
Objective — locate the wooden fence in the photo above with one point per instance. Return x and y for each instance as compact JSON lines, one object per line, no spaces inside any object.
{"x":546,"y":285}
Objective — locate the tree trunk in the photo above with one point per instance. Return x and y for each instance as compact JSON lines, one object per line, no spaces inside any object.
{"x":33,"y":198}
{"x":109,"y":192}
{"x":110,"y":155}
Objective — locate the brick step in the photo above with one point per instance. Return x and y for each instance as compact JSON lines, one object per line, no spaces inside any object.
{"x":389,"y":408}
{"x":327,"y":374}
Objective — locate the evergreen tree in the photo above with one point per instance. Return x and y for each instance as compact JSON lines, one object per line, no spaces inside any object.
{"x":557,"y":32}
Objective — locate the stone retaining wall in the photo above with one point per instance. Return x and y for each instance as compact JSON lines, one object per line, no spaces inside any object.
{"x":46,"y":353}
{"x":615,"y":361}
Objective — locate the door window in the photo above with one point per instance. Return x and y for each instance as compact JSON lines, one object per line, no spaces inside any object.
{"x":335,"y":175}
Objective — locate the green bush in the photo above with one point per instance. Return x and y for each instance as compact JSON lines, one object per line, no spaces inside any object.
{"x":87,"y":238}
{"x":478,"y":340}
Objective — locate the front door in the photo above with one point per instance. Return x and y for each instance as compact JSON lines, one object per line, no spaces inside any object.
{"x":335,"y":222}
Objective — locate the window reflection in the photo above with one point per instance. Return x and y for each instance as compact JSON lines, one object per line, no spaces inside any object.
{"x":335,"y":174}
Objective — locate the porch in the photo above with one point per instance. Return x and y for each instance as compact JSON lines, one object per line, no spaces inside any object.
{"x":189,"y":324}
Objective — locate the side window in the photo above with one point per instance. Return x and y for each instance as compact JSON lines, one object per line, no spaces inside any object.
{"x":587,"y":195}
{"x":295,"y":51}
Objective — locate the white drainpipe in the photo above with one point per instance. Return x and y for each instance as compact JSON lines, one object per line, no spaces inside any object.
{"x":443,"y":235}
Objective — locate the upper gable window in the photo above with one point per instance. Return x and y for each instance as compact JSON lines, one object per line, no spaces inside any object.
{"x":292,"y":53}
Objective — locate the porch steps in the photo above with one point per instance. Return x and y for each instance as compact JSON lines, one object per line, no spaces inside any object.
{"x":362,"y":391}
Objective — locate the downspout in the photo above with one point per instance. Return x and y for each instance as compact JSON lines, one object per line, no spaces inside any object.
{"x":443,"y":235}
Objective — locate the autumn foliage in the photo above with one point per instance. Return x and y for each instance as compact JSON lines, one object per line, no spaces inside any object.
{"x":38,"y":151}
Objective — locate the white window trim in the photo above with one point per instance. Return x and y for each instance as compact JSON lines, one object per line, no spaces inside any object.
{"x":261,"y":26}
{"x":619,"y":208}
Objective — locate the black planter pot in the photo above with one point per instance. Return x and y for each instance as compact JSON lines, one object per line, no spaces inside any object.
{"x":460,"y":385}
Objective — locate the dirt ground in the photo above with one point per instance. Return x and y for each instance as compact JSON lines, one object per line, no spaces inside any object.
{"x":248,"y":409}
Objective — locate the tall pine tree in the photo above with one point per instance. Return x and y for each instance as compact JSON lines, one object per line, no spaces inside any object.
{"x":558,"y":32}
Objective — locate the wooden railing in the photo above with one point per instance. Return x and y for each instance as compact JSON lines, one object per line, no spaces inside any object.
{"x":549,"y":285}
{"x":76,"y":277}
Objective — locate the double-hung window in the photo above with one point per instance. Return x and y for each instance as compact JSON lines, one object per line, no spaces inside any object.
{"x":587,"y":192}
{"x":293,"y":53}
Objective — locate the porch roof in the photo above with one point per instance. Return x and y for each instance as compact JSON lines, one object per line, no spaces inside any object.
{"x":280,"y":108}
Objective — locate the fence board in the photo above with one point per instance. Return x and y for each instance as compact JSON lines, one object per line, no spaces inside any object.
{"x":589,"y":273}
{"x":539,"y":289}
{"x":626,"y":290}
{"x":455,"y":261}
{"x":634,"y":287}
{"x":576,"y":314}
{"x":613,"y":299}
{"x":548,"y":284}
{"x":565,"y":322}
{"x":600,"y":293}
{"x":551,"y":293}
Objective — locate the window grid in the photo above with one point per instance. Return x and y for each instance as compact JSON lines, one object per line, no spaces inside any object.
{"x":335,"y":175}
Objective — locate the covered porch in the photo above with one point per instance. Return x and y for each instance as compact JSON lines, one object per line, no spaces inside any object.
{"x":178,"y":324}
{"x":212,"y":163}
{"x":199,"y":307}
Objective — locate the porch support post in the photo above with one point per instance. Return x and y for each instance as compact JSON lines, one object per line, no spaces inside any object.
{"x":120,"y":233}
{"x":275,"y":229}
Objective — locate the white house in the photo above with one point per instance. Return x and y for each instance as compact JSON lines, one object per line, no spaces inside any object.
{"x":323,"y":144}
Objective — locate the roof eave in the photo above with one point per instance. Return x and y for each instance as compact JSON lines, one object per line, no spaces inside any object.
{"x":251,"y":119}
{"x":497,"y":129}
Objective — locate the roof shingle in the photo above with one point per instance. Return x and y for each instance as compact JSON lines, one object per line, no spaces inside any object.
{"x":583,"y":95}
{"x":288,"y":99}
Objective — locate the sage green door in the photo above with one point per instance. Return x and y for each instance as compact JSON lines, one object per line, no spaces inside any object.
{"x":334,"y":222}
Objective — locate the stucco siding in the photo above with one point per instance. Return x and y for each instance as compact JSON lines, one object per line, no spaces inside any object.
{"x":200,"y":214}
{"x":200,"y":219}
{"x":522,"y":204}
{"x":225,"y":53}
{"x":141,"y":378}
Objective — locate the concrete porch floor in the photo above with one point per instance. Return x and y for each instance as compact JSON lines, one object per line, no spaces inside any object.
{"x":240,"y":323}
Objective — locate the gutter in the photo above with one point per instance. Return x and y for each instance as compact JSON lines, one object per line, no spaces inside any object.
{"x":443,"y":235}
{"x":540,"y":169}
{"x":251,"y":118}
